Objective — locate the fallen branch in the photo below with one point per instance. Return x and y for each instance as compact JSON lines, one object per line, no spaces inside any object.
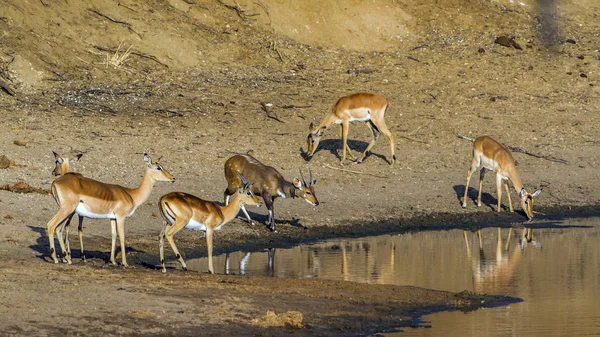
{"x":110,"y":18}
{"x":520,"y":150}
{"x":355,"y":172}
{"x":6,"y":87}
{"x":296,"y":106}
{"x":238,"y":10}
{"x":270,"y":114}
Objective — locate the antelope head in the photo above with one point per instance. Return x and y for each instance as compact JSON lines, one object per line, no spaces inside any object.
{"x":157,"y":173}
{"x":307,"y":190}
{"x":312,"y":141}
{"x":245,"y":192}
{"x":62,"y":164}
{"x":527,"y":202}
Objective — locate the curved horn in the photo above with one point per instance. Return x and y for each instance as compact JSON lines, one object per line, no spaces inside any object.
{"x":244,"y":181}
{"x":302,"y":176}
{"x":311,"y":178}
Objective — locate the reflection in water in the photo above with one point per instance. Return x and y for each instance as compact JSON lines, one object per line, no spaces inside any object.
{"x":554,"y":268}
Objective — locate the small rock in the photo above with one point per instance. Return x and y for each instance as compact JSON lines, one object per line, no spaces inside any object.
{"x":20,"y":142}
{"x":571,"y":41}
{"x":4,"y":162}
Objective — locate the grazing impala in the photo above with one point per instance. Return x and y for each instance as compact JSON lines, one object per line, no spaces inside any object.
{"x":181,"y":210}
{"x":92,"y":199}
{"x":495,"y":157}
{"x":62,"y":165}
{"x":267,"y":183}
{"x":362,"y":107}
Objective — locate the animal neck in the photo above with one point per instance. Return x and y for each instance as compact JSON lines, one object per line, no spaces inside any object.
{"x":232,"y":209}
{"x":288,"y":189}
{"x":142,"y":192}
{"x":515,"y":179}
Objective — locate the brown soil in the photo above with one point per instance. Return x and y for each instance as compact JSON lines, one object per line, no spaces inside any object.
{"x":191,"y":90}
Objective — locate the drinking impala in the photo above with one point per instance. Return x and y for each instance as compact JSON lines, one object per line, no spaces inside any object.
{"x":89,"y":198}
{"x":361,"y":107}
{"x":267,"y":182}
{"x":495,"y":157}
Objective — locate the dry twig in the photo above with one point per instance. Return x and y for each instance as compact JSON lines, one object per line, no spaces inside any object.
{"x":355,"y":172}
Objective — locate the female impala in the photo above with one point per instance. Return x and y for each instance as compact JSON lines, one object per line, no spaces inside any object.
{"x":361,"y":107}
{"x":62,"y":165}
{"x":181,"y":210}
{"x":92,"y":199}
{"x":266,"y":182}
{"x":495,"y":157}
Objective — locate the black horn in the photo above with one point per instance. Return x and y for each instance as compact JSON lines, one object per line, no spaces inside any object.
{"x":302,"y":176}
{"x":311,"y":178}
{"x":244,"y":181}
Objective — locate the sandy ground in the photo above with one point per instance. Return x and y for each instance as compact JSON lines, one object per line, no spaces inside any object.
{"x":192,"y":91}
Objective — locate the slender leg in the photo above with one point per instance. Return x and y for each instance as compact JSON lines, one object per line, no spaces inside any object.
{"x":375,"y":133}
{"x":474,"y":166}
{"x":345,"y":149}
{"x":499,"y":183}
{"x":209,"y":247}
{"x":384,"y":130}
{"x":51,"y":229}
{"x":121,"y":232}
{"x":508,"y":194}
{"x":161,"y":246}
{"x":481,"y":176}
{"x":510,"y":232}
{"x":64,"y":242}
{"x":243,"y":208}
{"x":170,"y":232}
{"x":80,"y":231}
{"x":268,"y":200}
{"x":113,"y":231}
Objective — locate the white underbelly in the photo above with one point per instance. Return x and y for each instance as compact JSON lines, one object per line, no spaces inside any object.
{"x":194,"y":225}
{"x":83,"y":210}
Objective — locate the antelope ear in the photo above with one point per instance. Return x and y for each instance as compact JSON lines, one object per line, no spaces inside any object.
{"x":297,"y":183}
{"x":320,"y":132}
{"x":147,"y":159}
{"x":56,"y":155}
{"x":77,"y":157}
{"x":536,"y":193}
{"x":310,"y":126}
{"x":523,"y":193}
{"x":313,"y":182}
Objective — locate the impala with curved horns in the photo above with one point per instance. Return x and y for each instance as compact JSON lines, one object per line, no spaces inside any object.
{"x":267,"y":182}
{"x":361,"y":107}
{"x":181,"y":210}
{"x":494,"y":156}
{"x":89,"y":198}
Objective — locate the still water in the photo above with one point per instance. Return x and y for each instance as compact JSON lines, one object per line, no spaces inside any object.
{"x":554,"y":267}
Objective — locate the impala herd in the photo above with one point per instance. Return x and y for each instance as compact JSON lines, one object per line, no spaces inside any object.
{"x":249,"y":182}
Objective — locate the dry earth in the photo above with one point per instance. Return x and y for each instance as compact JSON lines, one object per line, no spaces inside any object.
{"x":186,"y":80}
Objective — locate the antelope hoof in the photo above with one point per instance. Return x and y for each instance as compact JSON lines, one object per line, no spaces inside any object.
{"x":164,"y":270}
{"x":464,"y":205}
{"x":184,"y":268}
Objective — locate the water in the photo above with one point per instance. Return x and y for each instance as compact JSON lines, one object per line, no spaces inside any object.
{"x":554,"y":268}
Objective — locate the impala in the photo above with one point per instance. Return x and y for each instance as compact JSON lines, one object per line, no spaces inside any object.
{"x":361,"y":107}
{"x":89,"y":198}
{"x":495,"y":157}
{"x":62,"y":165}
{"x":181,"y":210}
{"x":267,"y":183}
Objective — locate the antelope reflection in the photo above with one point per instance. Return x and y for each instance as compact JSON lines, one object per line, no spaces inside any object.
{"x":494,"y":275}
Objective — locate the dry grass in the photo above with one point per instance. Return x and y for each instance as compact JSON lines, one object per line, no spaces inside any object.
{"x":117,"y":60}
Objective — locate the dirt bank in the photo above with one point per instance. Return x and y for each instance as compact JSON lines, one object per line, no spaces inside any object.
{"x":191,"y":88}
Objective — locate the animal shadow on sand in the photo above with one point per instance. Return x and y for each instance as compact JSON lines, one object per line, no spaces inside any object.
{"x":334,"y":146}
{"x":486,"y":199}
{"x":42,"y":246}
